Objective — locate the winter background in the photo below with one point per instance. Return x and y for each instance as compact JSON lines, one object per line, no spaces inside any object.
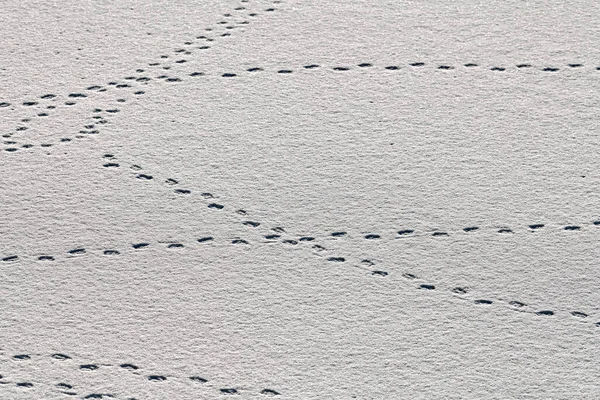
{"x":299,"y":199}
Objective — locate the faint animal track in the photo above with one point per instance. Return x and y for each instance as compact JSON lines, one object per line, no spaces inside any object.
{"x":134,"y":80}
{"x":342,"y":234}
{"x":159,"y":378}
{"x":293,"y":241}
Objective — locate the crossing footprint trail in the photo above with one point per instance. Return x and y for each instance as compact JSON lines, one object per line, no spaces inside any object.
{"x":256,"y":231}
{"x":263,"y":232}
{"x":113,"y":94}
{"x":133,"y":85}
{"x":43,"y":109}
{"x":111,"y":98}
{"x":128,"y":88}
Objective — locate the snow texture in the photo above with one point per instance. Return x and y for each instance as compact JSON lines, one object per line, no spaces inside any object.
{"x":309,"y":199}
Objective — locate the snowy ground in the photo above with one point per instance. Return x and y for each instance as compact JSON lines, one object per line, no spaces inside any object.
{"x":299,"y":199}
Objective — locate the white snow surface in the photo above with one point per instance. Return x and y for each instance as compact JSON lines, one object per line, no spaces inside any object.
{"x":290,"y":199}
